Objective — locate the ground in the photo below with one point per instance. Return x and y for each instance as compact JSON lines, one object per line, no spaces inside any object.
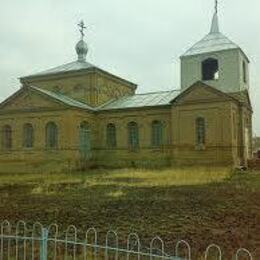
{"x":200,"y":205}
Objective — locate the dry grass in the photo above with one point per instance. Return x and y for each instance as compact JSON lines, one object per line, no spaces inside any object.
{"x":125,"y":177}
{"x":201,"y":205}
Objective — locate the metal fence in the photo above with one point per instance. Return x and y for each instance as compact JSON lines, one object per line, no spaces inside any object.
{"x":24,"y":241}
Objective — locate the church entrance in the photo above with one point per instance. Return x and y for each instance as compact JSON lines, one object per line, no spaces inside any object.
{"x":85,"y":141}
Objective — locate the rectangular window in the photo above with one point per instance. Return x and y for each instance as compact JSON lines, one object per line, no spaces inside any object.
{"x":244,"y":72}
{"x":200,"y":132}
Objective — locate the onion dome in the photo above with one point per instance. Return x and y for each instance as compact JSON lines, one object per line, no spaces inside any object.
{"x":82,"y":50}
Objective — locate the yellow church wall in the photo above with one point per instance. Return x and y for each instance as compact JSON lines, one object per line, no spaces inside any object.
{"x":107,"y":88}
{"x":223,"y":138}
{"x":146,"y":155}
{"x":219,"y":145}
{"x":39,"y":157}
{"x":93,"y":87}
{"x":76,"y":86}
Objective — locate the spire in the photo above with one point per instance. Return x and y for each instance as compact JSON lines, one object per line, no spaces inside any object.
{"x":215,"y":26}
{"x":82,"y":47}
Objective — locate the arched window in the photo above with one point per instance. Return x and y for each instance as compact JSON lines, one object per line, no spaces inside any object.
{"x":51,"y":135}
{"x":133,"y":135}
{"x":28,"y":136}
{"x":111,"y":135}
{"x":200,"y":131}
{"x":7,"y":137}
{"x":85,"y":139}
{"x":210,"y":69}
{"x":157,"y":133}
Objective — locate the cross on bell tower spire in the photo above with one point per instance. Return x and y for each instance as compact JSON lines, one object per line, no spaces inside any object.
{"x":216,"y":6}
{"x":215,"y":26}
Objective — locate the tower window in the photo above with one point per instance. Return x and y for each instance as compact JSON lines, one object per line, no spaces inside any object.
{"x":210,"y":69}
{"x":244,"y":72}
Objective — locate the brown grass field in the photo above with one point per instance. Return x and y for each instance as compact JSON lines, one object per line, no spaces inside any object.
{"x":200,"y":205}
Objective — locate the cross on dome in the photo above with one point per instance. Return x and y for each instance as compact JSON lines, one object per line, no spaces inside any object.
{"x":82,"y":47}
{"x":82,"y":27}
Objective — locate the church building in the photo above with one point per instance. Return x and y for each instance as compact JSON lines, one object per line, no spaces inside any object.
{"x":78,"y":115}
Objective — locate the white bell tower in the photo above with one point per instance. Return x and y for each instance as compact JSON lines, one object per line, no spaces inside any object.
{"x":216,"y":61}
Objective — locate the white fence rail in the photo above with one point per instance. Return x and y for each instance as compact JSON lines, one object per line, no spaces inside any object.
{"x":23,"y":241}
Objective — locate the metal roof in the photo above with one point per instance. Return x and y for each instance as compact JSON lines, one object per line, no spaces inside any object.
{"x":142,"y":100}
{"x":69,"y":67}
{"x":212,"y":42}
{"x":75,"y":66}
{"x":64,"y":99}
{"x":136,"y":101}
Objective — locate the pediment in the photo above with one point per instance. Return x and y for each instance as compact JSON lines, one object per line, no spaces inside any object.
{"x":28,"y":99}
{"x":200,"y":92}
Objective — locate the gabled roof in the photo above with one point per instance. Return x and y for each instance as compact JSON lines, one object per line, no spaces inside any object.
{"x":153,"y":99}
{"x":212,"y":89}
{"x":72,"y":67}
{"x":64,"y":99}
{"x":142,"y":100}
{"x":69,"y":67}
{"x":60,"y":98}
{"x":215,"y":41}
{"x":212,"y":42}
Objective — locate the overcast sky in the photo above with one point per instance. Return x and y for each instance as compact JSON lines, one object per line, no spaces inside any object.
{"x":140,"y":40}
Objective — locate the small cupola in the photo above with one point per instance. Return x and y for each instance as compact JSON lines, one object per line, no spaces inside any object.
{"x":81,"y":46}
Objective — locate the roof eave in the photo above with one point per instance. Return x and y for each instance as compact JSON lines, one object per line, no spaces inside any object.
{"x":133,"y":108}
{"x":80,"y":71}
{"x":224,"y":50}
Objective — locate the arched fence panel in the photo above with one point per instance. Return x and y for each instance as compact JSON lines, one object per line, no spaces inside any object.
{"x":21,"y":240}
{"x":213,"y":250}
{"x":91,"y":246}
{"x":37,"y":232}
{"x":242,"y":252}
{"x":111,"y":251}
{"x":155,"y":251}
{"x":134,"y":246}
{"x":5,"y":244}
{"x":186,"y":245}
{"x":53,"y":233}
{"x":71,"y":235}
{"x":24,"y":241}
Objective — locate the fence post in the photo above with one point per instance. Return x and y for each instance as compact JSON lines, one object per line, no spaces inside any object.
{"x":44,"y":244}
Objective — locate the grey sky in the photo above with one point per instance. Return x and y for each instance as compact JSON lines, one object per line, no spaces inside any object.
{"x":140,"y":40}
